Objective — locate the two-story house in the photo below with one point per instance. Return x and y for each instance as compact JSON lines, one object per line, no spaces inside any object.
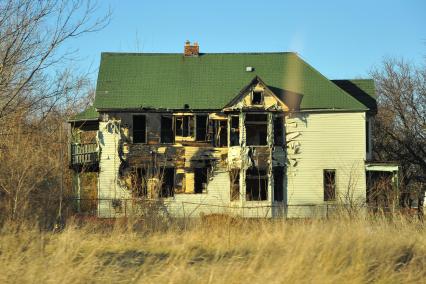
{"x":251,"y":134}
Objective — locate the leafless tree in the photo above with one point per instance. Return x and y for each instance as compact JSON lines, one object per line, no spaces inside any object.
{"x":400,"y":126}
{"x":38,"y":90}
{"x":33,"y":71}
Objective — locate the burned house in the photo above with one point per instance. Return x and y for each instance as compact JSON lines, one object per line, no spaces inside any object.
{"x":250,"y":134}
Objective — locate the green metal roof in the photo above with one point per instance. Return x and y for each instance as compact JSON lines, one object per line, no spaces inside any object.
{"x":209,"y":81}
{"x":88,"y":114}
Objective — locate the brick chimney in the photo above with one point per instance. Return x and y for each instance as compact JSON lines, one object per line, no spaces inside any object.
{"x":191,"y":50}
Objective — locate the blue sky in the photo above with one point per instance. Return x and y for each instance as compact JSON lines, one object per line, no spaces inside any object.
{"x":342,"y":39}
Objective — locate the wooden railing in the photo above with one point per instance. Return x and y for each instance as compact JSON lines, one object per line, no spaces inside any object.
{"x":83,"y":154}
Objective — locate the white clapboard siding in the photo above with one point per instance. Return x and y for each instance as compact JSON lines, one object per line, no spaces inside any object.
{"x":326,"y":141}
{"x":109,"y":162}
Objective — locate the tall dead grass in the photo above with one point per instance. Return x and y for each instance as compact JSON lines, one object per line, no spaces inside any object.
{"x":221,"y":250}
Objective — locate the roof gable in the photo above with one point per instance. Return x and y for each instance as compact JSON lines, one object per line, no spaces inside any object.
{"x":209,"y":81}
{"x":244,"y":99}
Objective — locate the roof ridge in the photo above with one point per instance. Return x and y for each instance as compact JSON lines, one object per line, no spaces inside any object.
{"x":362,"y":79}
{"x":201,"y":53}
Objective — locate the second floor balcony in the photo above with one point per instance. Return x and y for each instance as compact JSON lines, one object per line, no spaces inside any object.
{"x":84,"y":155}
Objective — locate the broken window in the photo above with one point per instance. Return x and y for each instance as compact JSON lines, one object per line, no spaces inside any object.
{"x":329,"y":179}
{"x":180,"y":181}
{"x":256,"y":184}
{"x":257,"y":97}
{"x":167,"y":129}
{"x":184,"y":127}
{"x":256,"y":129}
{"x":220,"y":133}
{"x":278,"y":183}
{"x":235,"y":131}
{"x":139,"y":182}
{"x":167,"y":182}
{"x":278,"y":131}
{"x":200,"y":180}
{"x":234,"y":176}
{"x":201,"y":131}
{"x":139,"y":129}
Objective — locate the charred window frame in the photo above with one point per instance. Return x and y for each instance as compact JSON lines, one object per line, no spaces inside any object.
{"x":256,"y":184}
{"x":278,"y":131}
{"x":201,"y":127}
{"x":184,"y":127}
{"x":329,"y":180}
{"x":167,"y":134}
{"x":220,"y":133}
{"x":139,"y":129}
{"x":179,"y":184}
{"x":256,"y":129}
{"x":201,"y":178}
{"x":278,"y":173}
{"x":257,"y":97}
{"x":234,"y":176}
{"x":167,"y":182}
{"x":234,"y":133}
{"x":139,"y":182}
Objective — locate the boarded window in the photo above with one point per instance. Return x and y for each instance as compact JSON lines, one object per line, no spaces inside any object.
{"x":235,"y":131}
{"x":256,"y":184}
{"x":166,"y":129}
{"x":184,"y":126}
{"x":167,"y":182}
{"x":329,"y":179}
{"x":278,"y":183}
{"x":200,"y":180}
{"x":220,"y":133}
{"x":201,"y":131}
{"x":256,"y":129}
{"x":257,"y":98}
{"x":234,"y":176}
{"x":278,"y":131}
{"x":139,"y":129}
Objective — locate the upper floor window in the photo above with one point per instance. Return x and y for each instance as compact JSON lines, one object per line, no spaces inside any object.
{"x":220,"y":132}
{"x":234,"y":133}
{"x":278,"y":131}
{"x":201,"y":127}
{"x":139,"y":129}
{"x":184,"y":125}
{"x":256,"y":129}
{"x":166,"y":129}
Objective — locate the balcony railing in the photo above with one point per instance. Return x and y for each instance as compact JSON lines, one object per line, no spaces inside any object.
{"x":83,"y":154}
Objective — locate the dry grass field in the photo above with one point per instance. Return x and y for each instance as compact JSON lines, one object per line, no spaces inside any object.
{"x":221,"y":250}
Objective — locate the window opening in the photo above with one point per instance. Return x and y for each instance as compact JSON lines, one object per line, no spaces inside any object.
{"x":139,"y":129}
{"x":200,"y":180}
{"x":256,"y":129}
{"x":329,"y":177}
{"x":235,"y":131}
{"x":256,"y":184}
{"x":166,"y":129}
